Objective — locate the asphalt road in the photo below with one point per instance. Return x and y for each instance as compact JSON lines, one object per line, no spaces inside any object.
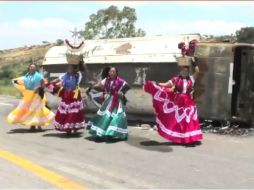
{"x":144,"y":161}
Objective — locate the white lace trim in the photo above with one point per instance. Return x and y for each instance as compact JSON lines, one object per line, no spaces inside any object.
{"x":117,"y":129}
{"x":192,"y":80}
{"x":187,"y":113}
{"x":185,"y":83}
{"x":96,"y":95}
{"x":124,"y":83}
{"x":32,"y":118}
{"x":177,"y":134}
{"x":73,"y":107}
{"x":110,"y":128}
{"x":108,"y":113}
{"x":69,"y":125}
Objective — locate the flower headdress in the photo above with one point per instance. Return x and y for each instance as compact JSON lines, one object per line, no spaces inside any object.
{"x":74,"y":52}
{"x":189,"y":51}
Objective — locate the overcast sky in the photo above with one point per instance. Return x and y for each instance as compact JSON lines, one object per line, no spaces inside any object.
{"x":29,"y":23}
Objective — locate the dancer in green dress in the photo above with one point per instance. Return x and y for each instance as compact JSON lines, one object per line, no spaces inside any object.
{"x":110,"y":120}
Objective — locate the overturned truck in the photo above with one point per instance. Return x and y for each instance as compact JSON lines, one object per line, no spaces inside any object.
{"x":223,"y":91}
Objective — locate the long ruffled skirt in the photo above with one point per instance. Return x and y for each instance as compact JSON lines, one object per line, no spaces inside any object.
{"x":176,"y":114}
{"x":109,"y":122}
{"x":70,"y":112}
{"x":31,"y":110}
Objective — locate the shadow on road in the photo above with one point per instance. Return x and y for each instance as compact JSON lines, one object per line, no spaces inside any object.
{"x":103,"y":140}
{"x":155,"y":143}
{"x":64,"y":135}
{"x":147,"y":144}
{"x":94,"y":139}
{"x":14,"y":131}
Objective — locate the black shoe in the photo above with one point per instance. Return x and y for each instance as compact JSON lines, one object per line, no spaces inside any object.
{"x":32,"y":128}
{"x":189,"y":145}
{"x":192,"y":144}
{"x":126,"y":138}
{"x":198,"y":143}
{"x":98,"y":139}
{"x":109,"y":138}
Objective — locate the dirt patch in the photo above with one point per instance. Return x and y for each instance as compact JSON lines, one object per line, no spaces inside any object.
{"x":228,"y":129}
{"x":124,"y":48}
{"x":23,"y":55}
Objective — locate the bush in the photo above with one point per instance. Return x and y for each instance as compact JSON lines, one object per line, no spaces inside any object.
{"x":9,"y":90}
{"x":59,"y":42}
{"x":4,"y":82}
{"x":8,"y":72}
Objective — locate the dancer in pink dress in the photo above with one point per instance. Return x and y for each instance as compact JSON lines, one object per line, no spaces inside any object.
{"x":176,"y":111}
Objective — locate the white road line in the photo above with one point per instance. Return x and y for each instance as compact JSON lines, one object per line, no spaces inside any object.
{"x":5,"y":104}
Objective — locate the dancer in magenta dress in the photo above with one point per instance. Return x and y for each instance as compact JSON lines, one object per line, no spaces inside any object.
{"x":176,"y":111}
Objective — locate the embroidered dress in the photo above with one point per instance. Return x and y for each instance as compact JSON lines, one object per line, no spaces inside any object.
{"x":69,"y":116}
{"x":110,"y":120}
{"x":176,"y":112}
{"x":32,"y":81}
{"x":31,"y":110}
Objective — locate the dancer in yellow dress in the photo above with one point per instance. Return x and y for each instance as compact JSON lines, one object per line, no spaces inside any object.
{"x":31,"y":110}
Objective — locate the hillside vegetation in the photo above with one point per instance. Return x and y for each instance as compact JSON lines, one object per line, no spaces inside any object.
{"x":14,"y":63}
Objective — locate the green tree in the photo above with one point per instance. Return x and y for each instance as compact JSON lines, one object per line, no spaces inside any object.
{"x":245,"y":35}
{"x":226,"y":38}
{"x":45,"y":42}
{"x":7,"y":72}
{"x":59,"y":42}
{"x":112,"y":23}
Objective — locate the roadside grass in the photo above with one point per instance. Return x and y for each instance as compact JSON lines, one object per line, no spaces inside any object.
{"x":9,"y":90}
